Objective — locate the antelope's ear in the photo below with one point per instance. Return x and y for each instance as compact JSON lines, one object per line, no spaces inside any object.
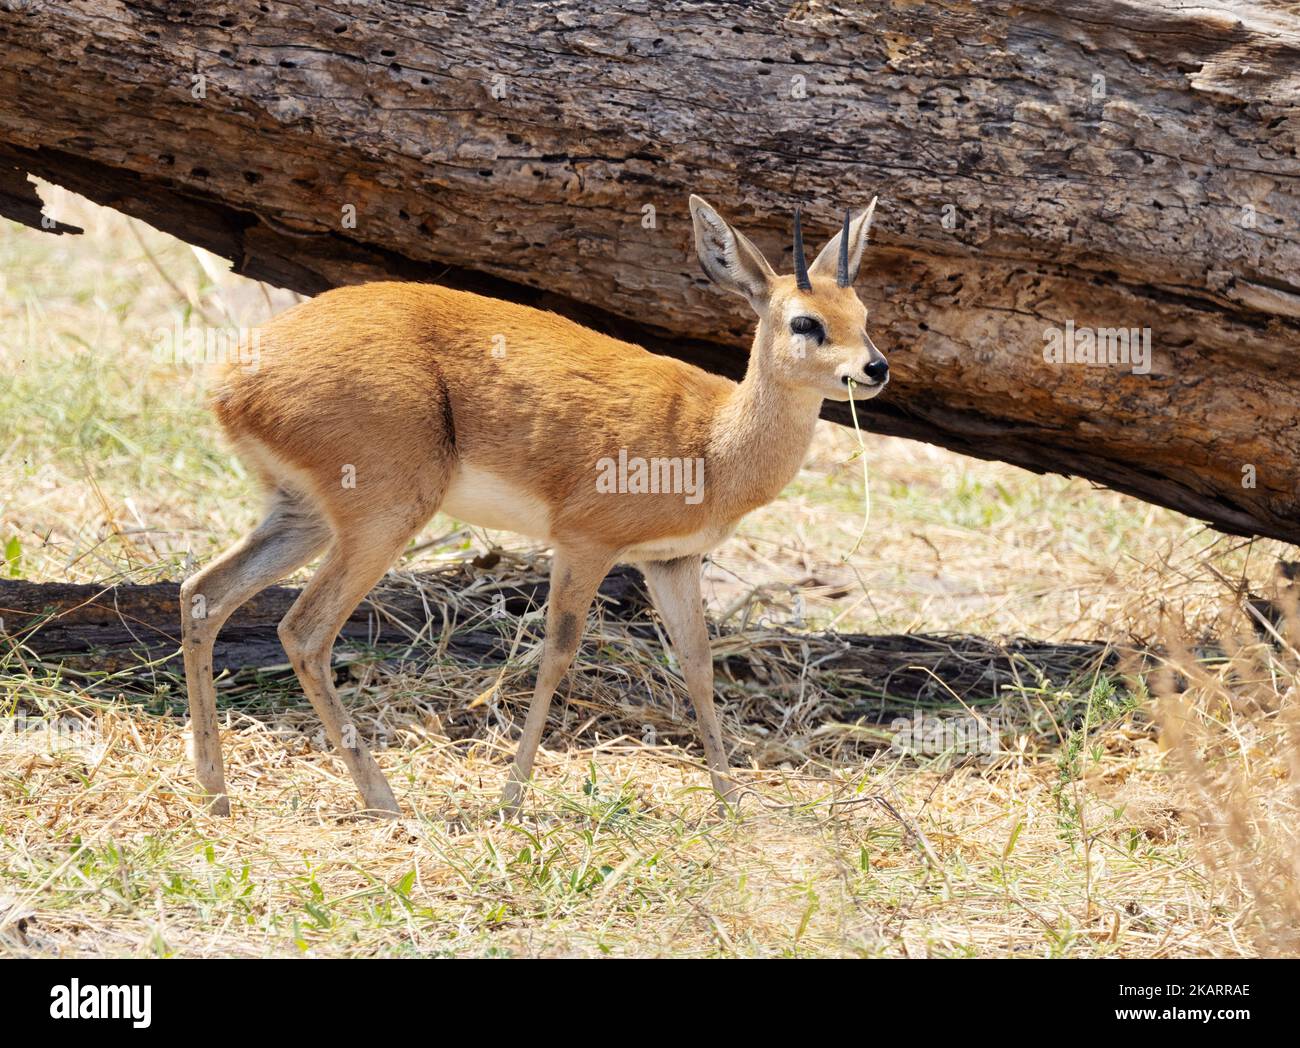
{"x":727,"y":256}
{"x":843,"y":266}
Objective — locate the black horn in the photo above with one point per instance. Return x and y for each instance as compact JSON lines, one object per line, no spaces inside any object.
{"x":842,"y":276}
{"x":800,"y":263}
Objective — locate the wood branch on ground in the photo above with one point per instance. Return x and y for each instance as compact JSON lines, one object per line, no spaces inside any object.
{"x":1098,"y":166}
{"x":467,"y":613}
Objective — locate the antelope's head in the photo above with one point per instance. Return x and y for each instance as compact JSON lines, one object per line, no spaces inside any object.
{"x":812,"y":327}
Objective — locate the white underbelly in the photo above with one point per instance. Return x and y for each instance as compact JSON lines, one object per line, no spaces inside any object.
{"x":478,"y":497}
{"x":475,"y":496}
{"x":674,"y":546}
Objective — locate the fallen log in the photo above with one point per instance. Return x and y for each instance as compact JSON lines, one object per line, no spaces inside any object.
{"x":467,"y":614}
{"x":1107,"y":167}
{"x":117,"y":626}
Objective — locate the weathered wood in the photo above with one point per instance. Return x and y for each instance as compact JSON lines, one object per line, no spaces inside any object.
{"x":1105,"y":163}
{"x":107,"y":629}
{"x":127,"y":624}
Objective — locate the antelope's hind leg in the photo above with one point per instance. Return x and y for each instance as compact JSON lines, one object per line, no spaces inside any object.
{"x":288,"y":537}
{"x":362,"y":550}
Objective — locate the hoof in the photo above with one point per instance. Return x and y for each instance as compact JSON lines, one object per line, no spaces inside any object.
{"x":383,"y":813}
{"x":511,"y":797}
{"x":382,"y":805}
{"x":219,"y":805}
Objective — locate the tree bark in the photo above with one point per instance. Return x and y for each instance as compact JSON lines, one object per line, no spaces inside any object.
{"x":120,"y":627}
{"x":1091,"y":164}
{"x":129,"y":630}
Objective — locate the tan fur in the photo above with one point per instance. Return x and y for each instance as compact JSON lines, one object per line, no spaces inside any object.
{"x":423,"y":394}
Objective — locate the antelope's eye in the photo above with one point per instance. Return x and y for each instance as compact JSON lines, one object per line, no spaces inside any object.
{"x":809,"y":327}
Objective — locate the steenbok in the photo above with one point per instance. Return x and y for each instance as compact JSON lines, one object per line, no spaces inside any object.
{"x":373,"y":407}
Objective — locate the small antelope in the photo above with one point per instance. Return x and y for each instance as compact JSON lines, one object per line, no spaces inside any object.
{"x":373,"y":407}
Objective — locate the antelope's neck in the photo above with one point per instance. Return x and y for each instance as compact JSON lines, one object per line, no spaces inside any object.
{"x":760,"y":437}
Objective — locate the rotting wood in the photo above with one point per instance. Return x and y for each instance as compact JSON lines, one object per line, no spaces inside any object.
{"x":129,"y":629}
{"x":1101,"y":163}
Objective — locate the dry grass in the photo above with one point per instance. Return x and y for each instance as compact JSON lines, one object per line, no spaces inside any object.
{"x":1231,"y":722}
{"x":1106,"y":825}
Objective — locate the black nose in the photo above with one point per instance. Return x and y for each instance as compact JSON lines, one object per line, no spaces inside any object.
{"x":877,"y":370}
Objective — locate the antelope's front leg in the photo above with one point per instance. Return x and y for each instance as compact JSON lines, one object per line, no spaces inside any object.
{"x":675,"y":589}
{"x":575,"y":577}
